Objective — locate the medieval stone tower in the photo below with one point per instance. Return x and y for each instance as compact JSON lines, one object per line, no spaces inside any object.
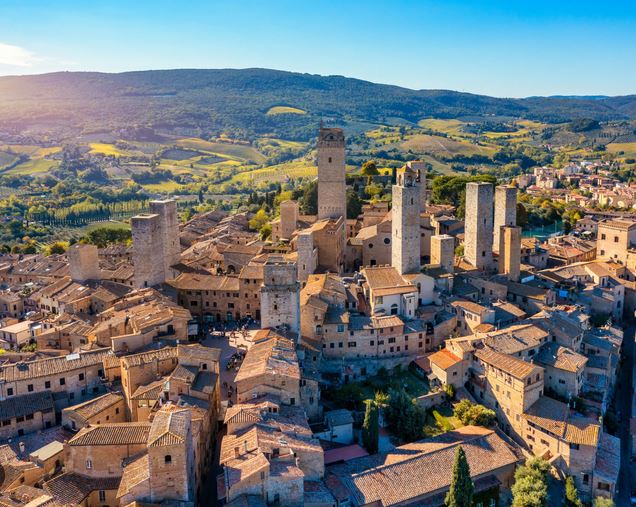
{"x":505,"y":210}
{"x":332,"y":199}
{"x":443,"y":251}
{"x":156,"y":247}
{"x":83,"y":262}
{"x":405,"y":250}
{"x":167,"y":211}
{"x":288,"y":218}
{"x":420,"y":168}
{"x":307,"y":256}
{"x":171,"y":456}
{"x":280,"y":294}
{"x":478,"y":225}
{"x":510,"y":252}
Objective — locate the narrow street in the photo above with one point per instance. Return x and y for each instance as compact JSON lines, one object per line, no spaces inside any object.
{"x":624,"y":405}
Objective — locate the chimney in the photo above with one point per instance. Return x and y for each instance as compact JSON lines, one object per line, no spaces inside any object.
{"x":237,"y":452}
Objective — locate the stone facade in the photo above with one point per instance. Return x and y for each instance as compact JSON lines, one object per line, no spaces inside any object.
{"x":288,"y":218}
{"x":510,"y":252}
{"x":614,"y":239}
{"x":479,"y":225}
{"x":167,"y":211}
{"x":420,"y":169}
{"x":443,"y":251}
{"x":332,"y":201}
{"x":405,"y":253}
{"x":83,"y":262}
{"x":505,"y":211}
{"x":280,"y":295}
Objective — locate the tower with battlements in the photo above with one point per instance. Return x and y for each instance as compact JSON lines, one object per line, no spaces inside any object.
{"x":332,"y":199}
{"x":479,"y":225}
{"x":405,"y":249}
{"x":420,"y":168}
{"x":505,"y":211}
{"x":280,"y":294}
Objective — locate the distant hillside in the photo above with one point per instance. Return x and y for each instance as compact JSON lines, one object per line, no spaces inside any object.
{"x":238,"y":101}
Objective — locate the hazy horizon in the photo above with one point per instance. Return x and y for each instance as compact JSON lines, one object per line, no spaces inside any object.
{"x":492,"y":48}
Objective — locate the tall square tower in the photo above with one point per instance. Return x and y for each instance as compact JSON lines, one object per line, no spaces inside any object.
{"x":505,"y":211}
{"x":405,"y":249}
{"x":332,"y":199}
{"x":478,"y":224}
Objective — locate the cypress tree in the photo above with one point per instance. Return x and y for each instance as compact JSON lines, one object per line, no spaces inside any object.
{"x":370,"y":428}
{"x":461,"y":489}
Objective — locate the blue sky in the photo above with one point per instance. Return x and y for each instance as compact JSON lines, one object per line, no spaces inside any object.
{"x":502,"y":48}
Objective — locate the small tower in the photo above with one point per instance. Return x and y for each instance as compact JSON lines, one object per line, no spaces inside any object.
{"x":288,"y":218}
{"x":443,"y":251}
{"x":167,"y":211}
{"x":332,"y":198}
{"x":478,"y":225}
{"x":280,"y":294}
{"x":505,"y":211}
{"x":510,"y":252}
{"x":83,"y":262}
{"x":405,"y":250}
{"x":420,"y":168}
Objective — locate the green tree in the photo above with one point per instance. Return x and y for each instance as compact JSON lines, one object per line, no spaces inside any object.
{"x":522,"y":215}
{"x":310,"y":199}
{"x":405,"y":417}
{"x":473,"y":413}
{"x":354,"y":204}
{"x":600,"y":501}
{"x":259,"y":219}
{"x":571,"y":494}
{"x":56,"y":248}
{"x":369,"y":168}
{"x":531,"y":484}
{"x":370,"y":428}
{"x":461,"y":489}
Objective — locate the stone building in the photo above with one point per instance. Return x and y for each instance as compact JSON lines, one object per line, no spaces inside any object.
{"x":479,"y":225}
{"x":155,"y":238}
{"x":405,"y":249}
{"x":26,"y":413}
{"x":83,"y":262}
{"x":271,"y":368}
{"x":108,"y":408}
{"x":420,"y":169}
{"x":74,"y":377}
{"x":332,"y":201}
{"x":510,"y":252}
{"x":505,"y":211}
{"x":614,"y":240}
{"x":280,"y":295}
{"x":443,"y":251}
{"x":507,"y":385}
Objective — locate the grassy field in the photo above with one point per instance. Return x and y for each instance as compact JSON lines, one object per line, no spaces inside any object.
{"x":273,"y":111}
{"x":112,"y":224}
{"x":628,"y":149}
{"x":164,"y":187}
{"x":438,"y":145}
{"x":278,"y":173}
{"x":34,"y":166}
{"x":6,"y":159}
{"x":445,"y":126}
{"x":112,"y":150}
{"x":238,"y":151}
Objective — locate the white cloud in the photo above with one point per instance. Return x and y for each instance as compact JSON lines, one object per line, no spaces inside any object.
{"x":16,"y":56}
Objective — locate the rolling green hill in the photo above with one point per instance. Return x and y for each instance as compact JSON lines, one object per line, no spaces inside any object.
{"x":208,"y":102}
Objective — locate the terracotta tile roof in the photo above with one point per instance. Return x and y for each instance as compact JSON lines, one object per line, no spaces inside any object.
{"x":553,"y":354}
{"x":135,"y":473}
{"x":406,"y":474}
{"x":150,"y":391}
{"x":52,"y":366}
{"x":608,"y":458}
{"x":624,"y":225}
{"x":386,"y":277}
{"x":196,"y":281}
{"x":444,"y":359}
{"x":554,"y":416}
{"x":169,"y":427}
{"x":270,"y":354}
{"x":71,"y":488}
{"x":149,"y":357}
{"x":97,"y":405}
{"x":469,"y":306}
{"x":515,"y":367}
{"x":26,"y":404}
{"x":112,"y":434}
